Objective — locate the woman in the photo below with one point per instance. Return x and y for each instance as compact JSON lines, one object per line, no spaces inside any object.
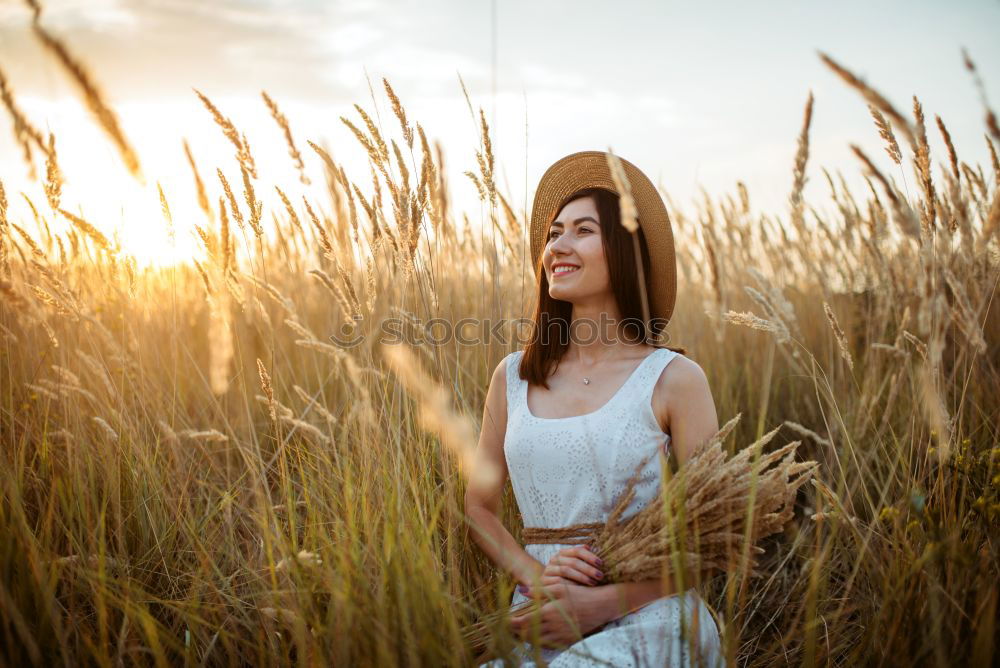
{"x":570,"y":417}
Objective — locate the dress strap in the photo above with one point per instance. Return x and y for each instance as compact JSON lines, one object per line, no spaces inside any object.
{"x":650,"y":373}
{"x":513,"y":379}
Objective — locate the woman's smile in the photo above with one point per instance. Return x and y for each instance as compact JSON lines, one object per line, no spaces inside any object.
{"x":562,"y":268}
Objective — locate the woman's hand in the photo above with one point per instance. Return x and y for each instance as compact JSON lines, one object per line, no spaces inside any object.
{"x":570,"y":612}
{"x":573,"y":565}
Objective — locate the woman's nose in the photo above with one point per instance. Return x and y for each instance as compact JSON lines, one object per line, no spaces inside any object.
{"x":559,"y":245}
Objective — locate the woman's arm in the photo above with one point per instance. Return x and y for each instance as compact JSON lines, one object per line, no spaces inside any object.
{"x":621,"y":598}
{"x":683,"y":405}
{"x":684,"y":408}
{"x":485,"y":488}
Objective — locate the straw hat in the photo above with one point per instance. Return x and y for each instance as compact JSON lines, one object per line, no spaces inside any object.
{"x":588,"y":169}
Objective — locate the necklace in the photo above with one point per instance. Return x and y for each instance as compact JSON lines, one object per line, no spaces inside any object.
{"x":586,"y":379}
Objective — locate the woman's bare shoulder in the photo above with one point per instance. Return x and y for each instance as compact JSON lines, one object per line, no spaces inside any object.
{"x":495,"y":405}
{"x":498,"y":381}
{"x":682,"y":373}
{"x":499,"y":377}
{"x":682,"y":377}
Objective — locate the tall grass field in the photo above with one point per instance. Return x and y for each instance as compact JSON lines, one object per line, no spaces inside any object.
{"x":195,"y":473}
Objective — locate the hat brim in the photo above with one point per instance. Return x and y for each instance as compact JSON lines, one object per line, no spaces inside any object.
{"x":589,"y":169}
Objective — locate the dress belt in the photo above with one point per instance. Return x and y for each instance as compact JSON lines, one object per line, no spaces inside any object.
{"x":575,"y":533}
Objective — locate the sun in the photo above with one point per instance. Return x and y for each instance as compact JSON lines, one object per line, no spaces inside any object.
{"x":132,"y":216}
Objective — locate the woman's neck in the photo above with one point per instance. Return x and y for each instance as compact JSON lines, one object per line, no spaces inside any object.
{"x":596,"y":334}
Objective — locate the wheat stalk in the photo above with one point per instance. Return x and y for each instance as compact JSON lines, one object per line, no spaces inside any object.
{"x":53,"y":175}
{"x":243,"y":155}
{"x":748,"y":319}
{"x":874,"y":97}
{"x":256,"y":207}
{"x":400,"y":112}
{"x":210,"y":435}
{"x":95,"y":235}
{"x":286,"y":130}
{"x":993,"y":159}
{"x":885,"y":132}
{"x":801,"y":158}
{"x":324,"y":239}
{"x":233,"y":206}
{"x":839,"y":334}
{"x":24,"y":132}
{"x":199,"y":184}
{"x":952,"y":155}
{"x":923,"y":166}
{"x":265,"y":384}
{"x":92,"y":95}
{"x":991,"y":118}
{"x":106,"y":428}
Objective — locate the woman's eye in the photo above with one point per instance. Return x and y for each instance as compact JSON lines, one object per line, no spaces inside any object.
{"x":555,"y":233}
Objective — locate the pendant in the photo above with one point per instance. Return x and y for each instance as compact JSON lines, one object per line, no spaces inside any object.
{"x":586,"y":381}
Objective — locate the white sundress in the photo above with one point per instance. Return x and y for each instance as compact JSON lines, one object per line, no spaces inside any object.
{"x":572,"y":470}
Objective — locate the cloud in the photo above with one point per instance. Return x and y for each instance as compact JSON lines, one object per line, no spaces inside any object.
{"x":351,"y":37}
{"x":71,"y":14}
{"x":156,"y":47}
{"x":535,"y":75}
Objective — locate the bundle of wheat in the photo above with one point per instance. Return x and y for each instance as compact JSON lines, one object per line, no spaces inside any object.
{"x":709,"y":506}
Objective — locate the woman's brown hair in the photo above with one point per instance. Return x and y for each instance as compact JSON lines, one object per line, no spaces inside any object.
{"x":551,"y":320}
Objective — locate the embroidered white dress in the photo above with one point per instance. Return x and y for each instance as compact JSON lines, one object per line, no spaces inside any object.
{"x":572,"y":470}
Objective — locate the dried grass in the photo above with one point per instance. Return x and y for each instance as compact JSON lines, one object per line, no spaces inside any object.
{"x":842,"y":344}
{"x":286,"y":130}
{"x":886,"y":133}
{"x":703,"y":514}
{"x":239,"y":142}
{"x":24,"y":132}
{"x":801,"y":158}
{"x":92,"y":232}
{"x":92,"y":95}
{"x":175,"y":479}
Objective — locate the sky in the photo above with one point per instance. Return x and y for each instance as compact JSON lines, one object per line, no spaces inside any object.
{"x":698,"y":95}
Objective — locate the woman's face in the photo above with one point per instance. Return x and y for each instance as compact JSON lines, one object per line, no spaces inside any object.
{"x":573,"y":258}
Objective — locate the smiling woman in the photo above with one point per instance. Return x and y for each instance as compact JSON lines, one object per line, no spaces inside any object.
{"x":589,"y":277}
{"x":570,"y":453}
